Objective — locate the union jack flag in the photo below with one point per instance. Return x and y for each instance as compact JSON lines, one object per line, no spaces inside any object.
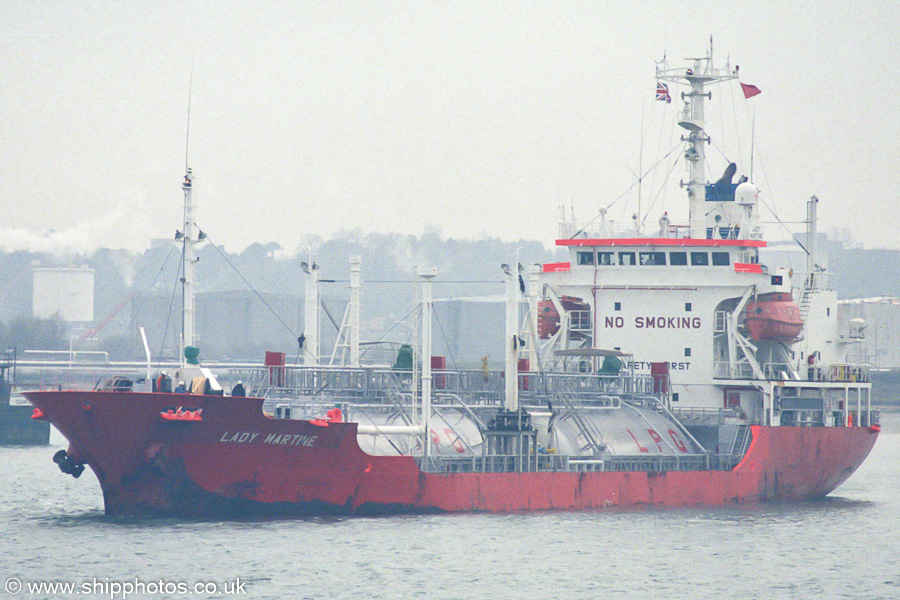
{"x":662,"y":93}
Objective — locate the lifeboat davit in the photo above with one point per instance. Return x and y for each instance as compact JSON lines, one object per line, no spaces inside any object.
{"x":548,"y":316}
{"x":773,"y":318}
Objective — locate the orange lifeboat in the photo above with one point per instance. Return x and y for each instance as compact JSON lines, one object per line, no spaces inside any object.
{"x":548,"y":316}
{"x":773,"y":318}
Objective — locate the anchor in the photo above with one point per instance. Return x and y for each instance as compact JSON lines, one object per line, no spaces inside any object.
{"x":67,"y":464}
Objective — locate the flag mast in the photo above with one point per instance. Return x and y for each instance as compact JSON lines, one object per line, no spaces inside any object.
{"x":700,"y":74}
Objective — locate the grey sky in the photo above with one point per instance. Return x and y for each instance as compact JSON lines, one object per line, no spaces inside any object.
{"x":472,"y":118}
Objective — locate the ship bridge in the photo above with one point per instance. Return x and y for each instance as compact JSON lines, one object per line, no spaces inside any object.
{"x":674,"y":252}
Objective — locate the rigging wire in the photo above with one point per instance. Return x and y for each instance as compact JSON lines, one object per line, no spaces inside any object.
{"x":662,"y":187}
{"x":721,"y":111}
{"x":755,"y":150}
{"x":637,"y":226}
{"x":724,"y":154}
{"x":772,"y":208}
{"x":628,"y":189}
{"x":659,"y":143}
{"x":187,"y":136}
{"x":444,"y":337}
{"x":330,"y":316}
{"x":162,"y":344}
{"x":734,"y":112}
{"x":394,"y":326}
{"x":253,"y":289}
{"x":721,"y":151}
{"x":140,"y":307}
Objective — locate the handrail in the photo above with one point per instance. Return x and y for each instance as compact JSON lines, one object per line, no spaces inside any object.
{"x":364,"y":381}
{"x":71,"y":354}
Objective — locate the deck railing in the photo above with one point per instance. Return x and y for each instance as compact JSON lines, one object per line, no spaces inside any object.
{"x":472,"y":386}
{"x":705,"y":416}
{"x":779,"y":371}
{"x":530,"y":463}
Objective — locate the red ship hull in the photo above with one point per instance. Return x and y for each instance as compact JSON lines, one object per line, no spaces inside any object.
{"x":238,"y":461}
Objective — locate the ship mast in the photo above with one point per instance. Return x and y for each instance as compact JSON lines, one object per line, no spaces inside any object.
{"x":511,"y":395}
{"x":700,"y":74}
{"x":189,"y":258}
{"x":311,"y":312}
{"x":812,"y":208}
{"x":189,"y":253}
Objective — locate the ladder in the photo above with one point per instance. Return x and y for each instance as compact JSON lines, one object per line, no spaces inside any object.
{"x":741,"y":441}
{"x":805,"y":302}
{"x":587,"y":431}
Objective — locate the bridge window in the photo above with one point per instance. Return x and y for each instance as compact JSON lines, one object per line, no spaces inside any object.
{"x":585,"y":258}
{"x":626,"y":258}
{"x":721,"y":259}
{"x":678,"y":258}
{"x":652,"y":258}
{"x":699,"y":259}
{"x":606,"y":258}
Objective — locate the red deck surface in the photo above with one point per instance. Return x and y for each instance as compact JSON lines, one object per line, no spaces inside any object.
{"x":238,"y":461}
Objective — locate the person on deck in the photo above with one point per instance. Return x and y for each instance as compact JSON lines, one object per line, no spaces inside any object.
{"x":164,"y":383}
{"x":238,"y":389}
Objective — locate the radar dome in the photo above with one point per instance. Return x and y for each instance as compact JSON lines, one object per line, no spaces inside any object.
{"x":746,"y":193}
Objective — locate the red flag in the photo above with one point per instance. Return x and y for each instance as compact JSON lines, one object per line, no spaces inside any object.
{"x":750,"y":90}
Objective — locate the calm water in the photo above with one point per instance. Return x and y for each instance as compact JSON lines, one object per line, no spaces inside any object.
{"x":848,"y":546}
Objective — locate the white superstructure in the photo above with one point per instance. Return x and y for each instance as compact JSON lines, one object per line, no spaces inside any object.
{"x":694,"y":305}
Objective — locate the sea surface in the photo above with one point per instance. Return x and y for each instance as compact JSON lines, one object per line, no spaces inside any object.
{"x":53,"y":530}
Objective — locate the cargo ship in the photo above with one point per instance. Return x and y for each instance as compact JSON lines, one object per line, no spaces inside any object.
{"x":667,"y":370}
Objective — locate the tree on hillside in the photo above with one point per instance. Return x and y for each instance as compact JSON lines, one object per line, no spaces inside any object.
{"x":34,"y":334}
